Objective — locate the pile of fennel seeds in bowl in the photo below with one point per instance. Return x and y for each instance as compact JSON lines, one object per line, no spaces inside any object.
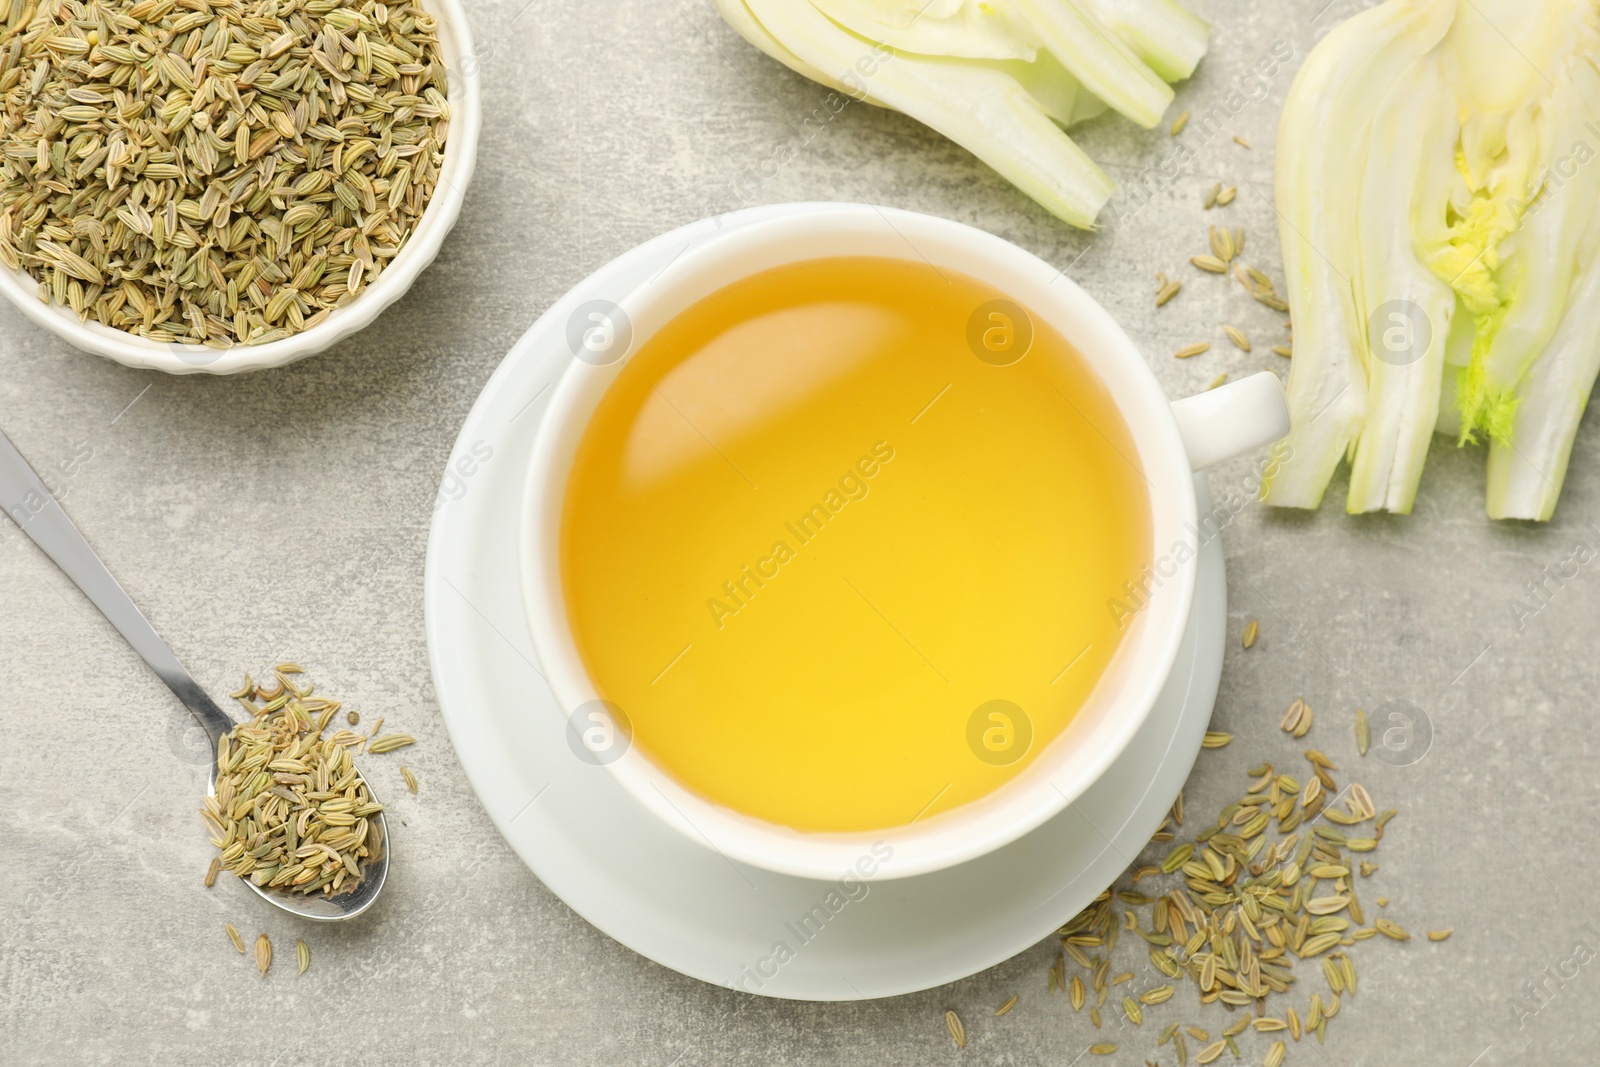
{"x":289,"y":809}
{"x":215,"y":172}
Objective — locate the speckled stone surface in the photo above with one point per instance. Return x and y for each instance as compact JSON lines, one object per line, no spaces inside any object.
{"x":285,"y":515}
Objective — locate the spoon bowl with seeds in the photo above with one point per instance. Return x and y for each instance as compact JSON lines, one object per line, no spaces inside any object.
{"x":292,"y":816}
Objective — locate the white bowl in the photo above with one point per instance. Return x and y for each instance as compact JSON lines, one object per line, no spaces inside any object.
{"x":1171,"y":442}
{"x":460,"y":157}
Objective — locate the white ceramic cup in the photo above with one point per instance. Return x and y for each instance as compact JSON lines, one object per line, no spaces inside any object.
{"x":1172,"y":440}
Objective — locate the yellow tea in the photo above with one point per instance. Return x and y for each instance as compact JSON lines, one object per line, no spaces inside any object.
{"x":842,"y":558}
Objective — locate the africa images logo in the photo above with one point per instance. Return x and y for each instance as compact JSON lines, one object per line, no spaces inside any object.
{"x":851,"y":888}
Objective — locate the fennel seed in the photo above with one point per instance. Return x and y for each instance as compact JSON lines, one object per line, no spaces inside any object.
{"x":1237,"y":336}
{"x":1102,"y":1049}
{"x":1287,"y":353}
{"x":958,"y":1032}
{"x":263,"y":954}
{"x":1167,"y":291}
{"x":302,"y":956}
{"x":233,"y":935}
{"x":211,"y":871}
{"x":1239,"y":140}
{"x":1221,"y":244}
{"x":1225,"y":197}
{"x":1215,"y":739}
{"x":410,"y":779}
{"x":1188,"y":351}
{"x":1213,"y":264}
{"x":1179,"y":123}
{"x":1291,"y":718}
{"x":1211,"y":196}
{"x":1007,"y":1006}
{"x":1252,"y":631}
{"x":389,"y":743}
{"x":1440,"y":935}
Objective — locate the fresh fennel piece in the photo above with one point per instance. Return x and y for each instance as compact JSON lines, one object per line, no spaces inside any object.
{"x":977,"y":106}
{"x":1525,"y":478}
{"x":738,"y":16}
{"x":999,"y":77}
{"x":1325,"y":129}
{"x":1434,"y":175}
{"x":1169,"y":39}
{"x":1070,"y":30}
{"x":1402,"y":380}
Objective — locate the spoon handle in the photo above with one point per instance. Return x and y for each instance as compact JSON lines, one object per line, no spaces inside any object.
{"x":34,"y":508}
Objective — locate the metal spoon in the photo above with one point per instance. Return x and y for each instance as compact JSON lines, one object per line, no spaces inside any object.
{"x":32,"y":507}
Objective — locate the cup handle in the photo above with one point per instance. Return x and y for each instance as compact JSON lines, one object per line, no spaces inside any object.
{"x":1232,"y":419}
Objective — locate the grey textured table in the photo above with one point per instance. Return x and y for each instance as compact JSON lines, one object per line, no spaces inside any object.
{"x":285,"y":515}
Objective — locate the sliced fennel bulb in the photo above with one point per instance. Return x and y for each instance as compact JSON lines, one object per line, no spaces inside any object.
{"x":999,"y":77}
{"x":1434,"y":186}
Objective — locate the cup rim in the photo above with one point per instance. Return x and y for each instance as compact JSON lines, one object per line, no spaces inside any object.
{"x":1056,"y":777}
{"x":420,"y":250}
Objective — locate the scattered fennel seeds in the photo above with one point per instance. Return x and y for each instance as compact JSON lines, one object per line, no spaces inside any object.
{"x":1260,"y":287}
{"x":1251,"y":632}
{"x":1007,"y":1006}
{"x":958,"y":1032}
{"x":215,"y":173}
{"x":1251,"y":903}
{"x":233,"y":935}
{"x":1363,"y":732}
{"x":1236,"y":335}
{"x":1239,"y":140}
{"x":1225,"y":197}
{"x":1179,"y":123}
{"x":410,"y":779}
{"x":213,"y":870}
{"x":1196,"y":349}
{"x":263,"y":954}
{"x":302,"y":956}
{"x":1215,"y":739}
{"x":1218,"y":380}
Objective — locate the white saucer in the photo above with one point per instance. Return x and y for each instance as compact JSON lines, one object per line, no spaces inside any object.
{"x":666,"y":897}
